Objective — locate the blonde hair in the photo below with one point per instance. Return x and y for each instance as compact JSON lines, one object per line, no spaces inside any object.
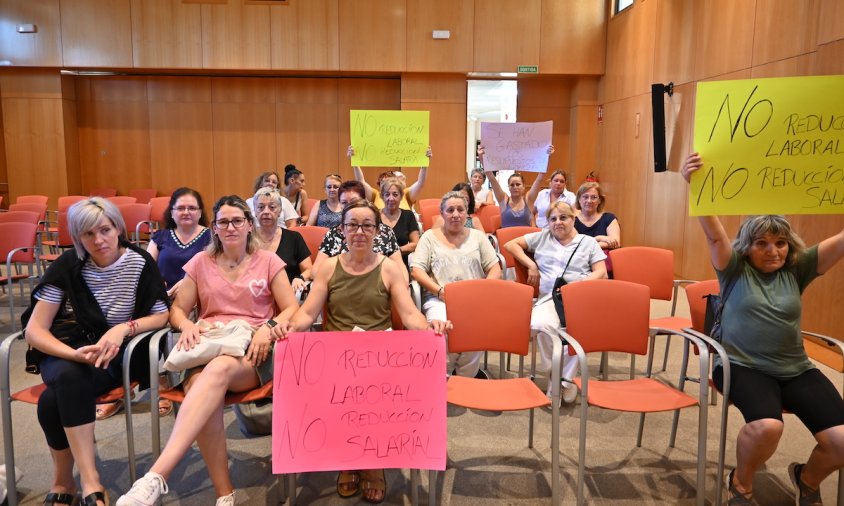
{"x":560,"y":206}
{"x":588,"y":185}
{"x":85,"y":214}
{"x":215,"y":247}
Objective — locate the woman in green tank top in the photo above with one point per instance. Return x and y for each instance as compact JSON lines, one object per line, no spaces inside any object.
{"x":358,"y":289}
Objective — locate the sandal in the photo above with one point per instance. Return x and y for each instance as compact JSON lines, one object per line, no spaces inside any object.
{"x":165,"y":407}
{"x":348,"y":483}
{"x":109,"y":409}
{"x":54,"y":498}
{"x":92,"y":498}
{"x":373,"y":485}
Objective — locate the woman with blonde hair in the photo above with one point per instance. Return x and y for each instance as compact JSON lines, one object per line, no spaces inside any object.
{"x":327,"y":213}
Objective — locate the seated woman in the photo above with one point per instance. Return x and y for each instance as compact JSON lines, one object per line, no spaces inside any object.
{"x":233,"y":282}
{"x":294,"y":190}
{"x":402,"y":221}
{"x":449,"y":253}
{"x":482,"y":195}
{"x":334,"y":242}
{"x":289,"y":216}
{"x":411,"y":193}
{"x":555,"y":192}
{"x":762,"y":276}
{"x":184,"y":235}
{"x":472,"y":221}
{"x":327,"y":213}
{"x":593,"y":221}
{"x":287,"y":244}
{"x":517,"y":207}
{"x":557,"y":251}
{"x":115,"y":291}
{"x":357,"y":288}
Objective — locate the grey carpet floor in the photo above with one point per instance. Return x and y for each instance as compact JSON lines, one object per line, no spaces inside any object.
{"x":489,"y":461}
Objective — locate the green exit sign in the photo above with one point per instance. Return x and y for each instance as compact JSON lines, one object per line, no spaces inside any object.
{"x":528,"y":69}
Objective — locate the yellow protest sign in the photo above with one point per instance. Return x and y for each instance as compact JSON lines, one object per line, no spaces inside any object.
{"x":769,"y":146}
{"x":389,"y":138}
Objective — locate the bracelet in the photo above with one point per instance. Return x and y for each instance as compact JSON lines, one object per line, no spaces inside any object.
{"x":133,"y":327}
{"x":440,"y":291}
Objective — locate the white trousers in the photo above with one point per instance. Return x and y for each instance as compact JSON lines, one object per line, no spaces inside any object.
{"x":545,"y":325}
{"x":464,"y":364}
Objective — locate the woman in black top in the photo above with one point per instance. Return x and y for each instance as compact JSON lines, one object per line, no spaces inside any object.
{"x":287,"y":243}
{"x":402,"y":221}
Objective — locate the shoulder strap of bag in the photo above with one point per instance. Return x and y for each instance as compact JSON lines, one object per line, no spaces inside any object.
{"x":572,"y":256}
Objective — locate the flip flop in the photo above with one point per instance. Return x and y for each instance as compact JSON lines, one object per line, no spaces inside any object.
{"x":165,"y":407}
{"x":373,"y":480}
{"x":55,"y":498}
{"x":92,"y":498}
{"x":109,"y":409}
{"x":348,"y":483}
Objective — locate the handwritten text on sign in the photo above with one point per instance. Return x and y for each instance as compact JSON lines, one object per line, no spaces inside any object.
{"x":359,"y":400}
{"x":516,"y":146}
{"x":389,"y":138}
{"x":769,"y":146}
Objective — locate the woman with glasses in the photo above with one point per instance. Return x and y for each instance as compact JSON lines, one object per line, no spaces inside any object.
{"x":358,"y":288}
{"x":517,"y":207}
{"x":411,"y":193}
{"x":593,"y":221}
{"x":184,"y":235}
{"x":449,"y":253}
{"x":83,"y":312}
{"x":558,"y":250}
{"x":287,"y":244}
{"x":327,"y":213}
{"x":234,"y":284}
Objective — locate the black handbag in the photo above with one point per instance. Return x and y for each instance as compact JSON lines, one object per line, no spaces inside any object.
{"x":560,"y":282}
{"x":66,"y":330}
{"x":714,"y":308}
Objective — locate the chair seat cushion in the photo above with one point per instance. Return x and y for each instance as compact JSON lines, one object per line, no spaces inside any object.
{"x":495,"y":395}
{"x":641,"y":395}
{"x":675,"y":323}
{"x":176,"y":394}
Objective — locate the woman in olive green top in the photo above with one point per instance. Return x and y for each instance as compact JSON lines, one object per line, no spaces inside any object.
{"x":358,"y":288}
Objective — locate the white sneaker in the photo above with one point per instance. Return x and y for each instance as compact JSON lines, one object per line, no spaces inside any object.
{"x":569,"y":392}
{"x":226,"y":500}
{"x":145,"y":491}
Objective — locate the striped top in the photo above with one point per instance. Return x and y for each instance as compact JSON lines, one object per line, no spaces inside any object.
{"x":114,"y":287}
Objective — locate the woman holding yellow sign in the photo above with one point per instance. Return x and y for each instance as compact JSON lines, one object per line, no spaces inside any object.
{"x":762,"y":275}
{"x":411,"y":193}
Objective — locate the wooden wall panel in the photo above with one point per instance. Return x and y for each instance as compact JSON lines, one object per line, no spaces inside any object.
{"x":244,"y":145}
{"x":548,"y":100}
{"x":784,"y":29}
{"x":306,"y":136}
{"x":166,"y":34}
{"x":42,"y":48}
{"x":724,"y":32}
{"x":583,"y":145}
{"x":30,"y":83}
{"x":830,"y":21}
{"x":96,"y":33}
{"x":830,"y":59}
{"x":803,"y":65}
{"x":500,"y":22}
{"x":305,"y":35}
{"x":823,"y":300}
{"x":4,"y":176}
{"x":73,"y":165}
{"x":675,"y":42}
{"x":630,"y":44}
{"x":573,"y":37}
{"x":236,"y":36}
{"x":373,"y":35}
{"x":425,"y":54}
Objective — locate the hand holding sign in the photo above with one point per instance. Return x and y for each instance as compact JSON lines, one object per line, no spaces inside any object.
{"x":389,"y":138}
{"x":516,"y":146}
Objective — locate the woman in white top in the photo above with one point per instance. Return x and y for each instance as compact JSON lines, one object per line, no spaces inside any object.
{"x":448,"y":253}
{"x":556,"y":191}
{"x":483,"y":196}
{"x":557,"y":251}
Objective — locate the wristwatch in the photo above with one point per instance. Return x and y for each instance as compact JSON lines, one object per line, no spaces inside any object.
{"x":271,"y":323}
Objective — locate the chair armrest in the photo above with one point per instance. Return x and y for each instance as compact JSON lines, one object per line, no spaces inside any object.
{"x":556,"y":368}
{"x":677,"y":283}
{"x":824,"y":349}
{"x":494,"y":240}
{"x":416,"y":294}
{"x":717,"y":348}
{"x":5,"y":356}
{"x":581,"y":358}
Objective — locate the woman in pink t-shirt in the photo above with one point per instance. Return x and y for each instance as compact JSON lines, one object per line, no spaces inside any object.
{"x":232,"y":280}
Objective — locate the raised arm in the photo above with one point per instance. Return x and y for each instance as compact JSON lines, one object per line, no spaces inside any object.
{"x":830,"y":251}
{"x":416,"y":188}
{"x":716,"y":237}
{"x":358,"y":174}
{"x":497,"y":190}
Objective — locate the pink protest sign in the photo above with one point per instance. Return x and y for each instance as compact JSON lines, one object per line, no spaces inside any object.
{"x":359,"y":400}
{"x":516,"y":146}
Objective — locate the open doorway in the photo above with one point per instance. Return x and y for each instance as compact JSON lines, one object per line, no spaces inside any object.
{"x":488,"y":101}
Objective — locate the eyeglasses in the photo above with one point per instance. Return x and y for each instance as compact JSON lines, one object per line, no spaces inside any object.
{"x":563,"y":218}
{"x":224,"y":224}
{"x":368,"y":228}
{"x":183,"y":209}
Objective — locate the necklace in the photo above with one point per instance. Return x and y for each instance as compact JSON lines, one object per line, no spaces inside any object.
{"x":231,"y":265}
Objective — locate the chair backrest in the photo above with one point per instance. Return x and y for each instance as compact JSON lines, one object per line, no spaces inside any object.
{"x":122,"y":200}
{"x":823,"y":351}
{"x":505,"y":235}
{"x":31,"y":199}
{"x":653,"y":267}
{"x":487,"y":216}
{"x":41,"y":209}
{"x":19,"y":217}
{"x":522,"y":274}
{"x":313,"y":236}
{"x":133,"y":214}
{"x":18,"y":235}
{"x":143,"y":195}
{"x":696,"y":295}
{"x":426,"y":202}
{"x":489,"y":314}
{"x":608,"y":315}
{"x":158,"y":210}
{"x":306,"y":209}
{"x":65,"y":240}
{"x":429,"y":212}
{"x":68,"y":200}
{"x":103,"y":192}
